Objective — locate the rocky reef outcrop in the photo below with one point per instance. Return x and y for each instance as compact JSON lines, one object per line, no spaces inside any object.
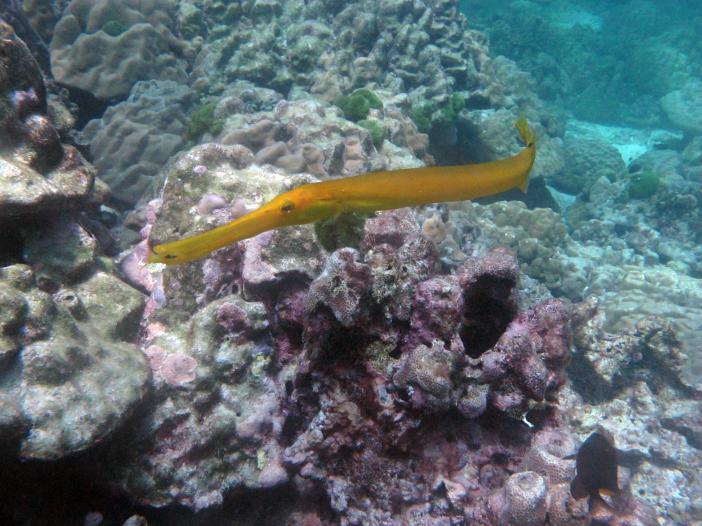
{"x":61,"y":343}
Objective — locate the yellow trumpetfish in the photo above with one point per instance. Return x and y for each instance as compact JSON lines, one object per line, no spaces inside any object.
{"x":369,"y":192}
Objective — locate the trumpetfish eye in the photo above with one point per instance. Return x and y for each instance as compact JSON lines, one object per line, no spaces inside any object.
{"x":287,"y":207}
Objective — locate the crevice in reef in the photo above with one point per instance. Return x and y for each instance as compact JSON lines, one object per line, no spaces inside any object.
{"x":88,"y":106}
{"x":11,"y":243}
{"x":487,"y":314}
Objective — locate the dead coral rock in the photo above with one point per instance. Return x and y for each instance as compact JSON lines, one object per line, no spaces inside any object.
{"x":436,"y":311}
{"x":399,"y":257}
{"x":22,"y":89}
{"x":608,"y":363}
{"x":563,"y":509}
{"x":38,"y":173}
{"x":394,"y":228}
{"x":66,"y":356}
{"x":520,"y":357}
{"x":342,"y":287}
{"x":274,"y":257}
{"x":217,"y":407}
{"x":686,"y":420}
{"x":61,"y":251}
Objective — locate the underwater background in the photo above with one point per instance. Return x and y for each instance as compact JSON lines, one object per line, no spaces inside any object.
{"x":444,"y":364}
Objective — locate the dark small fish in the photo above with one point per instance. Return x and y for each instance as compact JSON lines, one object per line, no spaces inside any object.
{"x":596,"y":468}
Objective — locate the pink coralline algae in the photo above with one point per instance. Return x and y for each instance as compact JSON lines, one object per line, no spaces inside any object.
{"x":341,"y":287}
{"x":178,"y":368}
{"x":175,"y":368}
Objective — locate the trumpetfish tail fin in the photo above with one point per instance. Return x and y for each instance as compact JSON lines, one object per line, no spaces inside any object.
{"x":526,"y":134}
{"x":528,"y":137}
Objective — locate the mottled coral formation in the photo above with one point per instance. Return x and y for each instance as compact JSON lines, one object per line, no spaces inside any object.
{"x":60,"y":350}
{"x":134,"y":139}
{"x":415,"y":345}
{"x":105,"y":47}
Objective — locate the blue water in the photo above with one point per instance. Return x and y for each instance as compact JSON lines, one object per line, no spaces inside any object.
{"x":604,"y":61}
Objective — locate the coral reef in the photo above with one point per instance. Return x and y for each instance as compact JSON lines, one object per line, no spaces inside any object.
{"x":419,"y":366}
{"x":462,"y":346}
{"x":60,"y":343}
{"x":311,"y":136}
{"x":105,"y":47}
{"x":134,"y":139}
{"x":396,"y":46}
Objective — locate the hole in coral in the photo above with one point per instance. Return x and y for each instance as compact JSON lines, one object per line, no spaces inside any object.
{"x":489,"y":308}
{"x":89,"y":106}
{"x":499,"y":459}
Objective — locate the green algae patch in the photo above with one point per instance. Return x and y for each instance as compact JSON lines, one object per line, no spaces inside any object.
{"x":203,"y":120}
{"x":643,"y":185}
{"x":430,"y":114}
{"x":376,"y":130}
{"x":357,"y":106}
{"x":114,"y":28}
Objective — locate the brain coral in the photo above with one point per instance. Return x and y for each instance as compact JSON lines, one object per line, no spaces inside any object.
{"x":135,"y":138}
{"x":105,"y":46}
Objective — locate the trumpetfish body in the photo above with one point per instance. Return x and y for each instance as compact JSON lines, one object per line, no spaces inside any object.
{"x":368,"y":192}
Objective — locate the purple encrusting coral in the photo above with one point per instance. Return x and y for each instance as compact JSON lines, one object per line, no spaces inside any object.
{"x":375,"y":379}
{"x":394,"y":389}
